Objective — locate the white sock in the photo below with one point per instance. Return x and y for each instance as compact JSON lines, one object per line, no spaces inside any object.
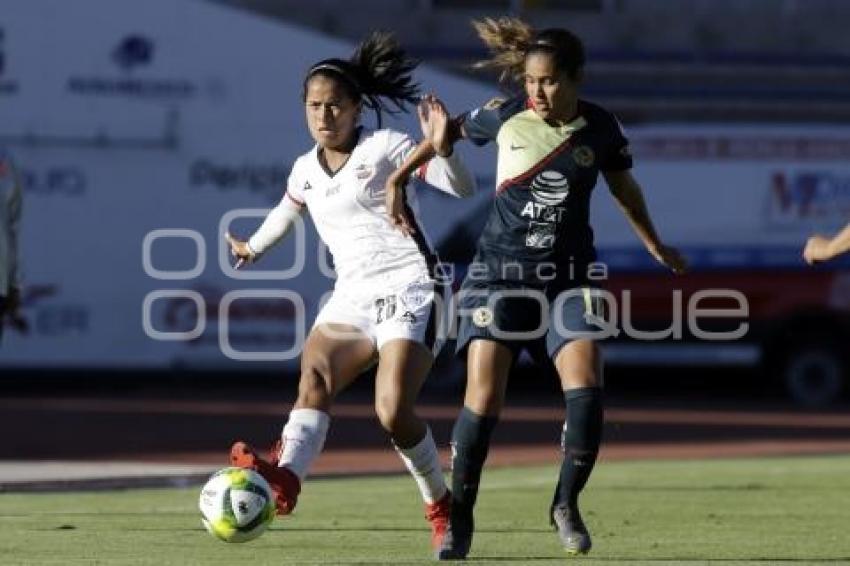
{"x":423,"y":461}
{"x":303,"y":439}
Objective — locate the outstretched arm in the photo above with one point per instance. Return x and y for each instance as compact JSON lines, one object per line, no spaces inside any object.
{"x":275,"y":227}
{"x":433,"y":160}
{"x":820,"y":248}
{"x":446,"y":171}
{"x":629,"y":197}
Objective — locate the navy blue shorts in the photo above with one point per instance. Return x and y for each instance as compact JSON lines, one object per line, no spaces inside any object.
{"x":521,"y":316}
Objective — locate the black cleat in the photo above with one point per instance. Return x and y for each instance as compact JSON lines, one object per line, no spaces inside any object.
{"x":571,"y":529}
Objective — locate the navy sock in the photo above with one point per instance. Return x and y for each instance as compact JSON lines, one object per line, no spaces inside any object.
{"x":580,"y":442}
{"x":470,"y":444}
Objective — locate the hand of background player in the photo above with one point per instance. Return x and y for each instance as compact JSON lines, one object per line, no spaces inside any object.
{"x":240,"y":250}
{"x":434,"y":120}
{"x":395,"y":203}
{"x":670,"y":258}
{"x":817,"y":250}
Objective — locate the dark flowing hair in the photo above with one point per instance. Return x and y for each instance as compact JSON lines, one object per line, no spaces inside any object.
{"x":511,"y":40}
{"x":378,"y":74}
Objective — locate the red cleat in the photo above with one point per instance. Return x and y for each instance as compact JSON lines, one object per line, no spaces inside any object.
{"x":437,"y":514}
{"x":284,"y":483}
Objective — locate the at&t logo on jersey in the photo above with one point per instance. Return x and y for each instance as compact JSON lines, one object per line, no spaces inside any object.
{"x":550,"y":188}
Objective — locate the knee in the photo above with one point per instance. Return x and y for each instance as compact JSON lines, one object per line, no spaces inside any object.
{"x":579,"y":364}
{"x":314,"y":388}
{"x":391,"y":414}
{"x":484,"y":399}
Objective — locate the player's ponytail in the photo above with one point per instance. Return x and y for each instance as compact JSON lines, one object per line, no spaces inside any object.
{"x":511,"y":40}
{"x":508,"y":40}
{"x":378,"y":71}
{"x":385,"y":73}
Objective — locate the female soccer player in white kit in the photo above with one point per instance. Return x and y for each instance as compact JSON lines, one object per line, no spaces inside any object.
{"x":386,"y":301}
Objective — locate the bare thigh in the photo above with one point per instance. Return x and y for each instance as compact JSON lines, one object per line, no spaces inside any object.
{"x":333,"y":357}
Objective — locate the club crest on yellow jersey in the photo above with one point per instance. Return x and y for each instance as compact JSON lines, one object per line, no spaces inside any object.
{"x":482,"y":317}
{"x":584,"y":156}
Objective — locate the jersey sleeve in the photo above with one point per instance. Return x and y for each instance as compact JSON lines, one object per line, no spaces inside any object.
{"x":277,"y":224}
{"x":294,"y":194}
{"x":399,"y":146}
{"x":449,"y":174}
{"x":617,"y":156}
{"x":481,"y":125}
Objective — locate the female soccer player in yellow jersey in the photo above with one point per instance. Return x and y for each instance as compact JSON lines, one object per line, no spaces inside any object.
{"x":529,"y":285}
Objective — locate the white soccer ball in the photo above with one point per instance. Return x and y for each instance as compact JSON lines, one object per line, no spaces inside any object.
{"x":237,"y":505}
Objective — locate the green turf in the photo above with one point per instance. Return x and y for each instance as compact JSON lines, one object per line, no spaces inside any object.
{"x":767,"y":511}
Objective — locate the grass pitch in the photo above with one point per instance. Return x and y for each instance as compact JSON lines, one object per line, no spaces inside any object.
{"x":756,"y":511}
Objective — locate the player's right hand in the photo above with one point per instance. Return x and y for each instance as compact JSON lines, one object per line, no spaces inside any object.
{"x":816,"y":250}
{"x":395,"y":204}
{"x":240,"y":250}
{"x":671,"y":258}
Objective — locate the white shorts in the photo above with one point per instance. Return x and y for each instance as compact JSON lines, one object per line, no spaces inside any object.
{"x":412,"y":310}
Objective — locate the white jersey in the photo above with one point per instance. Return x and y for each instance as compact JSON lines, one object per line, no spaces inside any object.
{"x":349,"y":211}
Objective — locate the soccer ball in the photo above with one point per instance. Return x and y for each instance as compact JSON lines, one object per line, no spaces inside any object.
{"x":236,"y":504}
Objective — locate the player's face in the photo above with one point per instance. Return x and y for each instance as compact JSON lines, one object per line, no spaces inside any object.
{"x":551,"y":91}
{"x":331,"y":113}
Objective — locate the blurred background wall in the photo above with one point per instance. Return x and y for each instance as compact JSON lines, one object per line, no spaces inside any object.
{"x":140,"y":128}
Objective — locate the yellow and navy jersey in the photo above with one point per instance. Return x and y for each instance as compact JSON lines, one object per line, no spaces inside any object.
{"x":545,"y":177}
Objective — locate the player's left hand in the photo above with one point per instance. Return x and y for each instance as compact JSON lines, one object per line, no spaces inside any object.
{"x":816,"y":250}
{"x":434,"y":120}
{"x":395,"y":204}
{"x":671,"y":258}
